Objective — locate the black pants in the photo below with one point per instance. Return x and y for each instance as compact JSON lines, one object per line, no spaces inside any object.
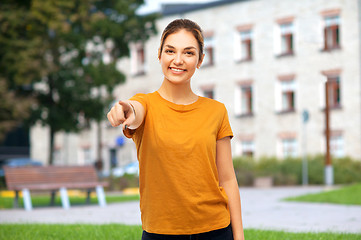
{"x":221,"y":234}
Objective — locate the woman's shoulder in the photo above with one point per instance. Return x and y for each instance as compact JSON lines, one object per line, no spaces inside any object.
{"x":212,"y":103}
{"x":143,"y":96}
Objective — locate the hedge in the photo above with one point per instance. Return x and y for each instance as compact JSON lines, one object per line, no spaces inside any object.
{"x":289,"y":171}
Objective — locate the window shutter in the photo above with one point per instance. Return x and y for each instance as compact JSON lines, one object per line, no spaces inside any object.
{"x":237,"y":47}
{"x":335,"y":37}
{"x":249,"y":48}
{"x":325,"y":38}
{"x":289,"y":43}
{"x":249,"y":99}
{"x":211,"y":57}
{"x":337,"y":33}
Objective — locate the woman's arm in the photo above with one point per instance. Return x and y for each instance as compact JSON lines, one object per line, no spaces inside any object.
{"x":129,"y":113}
{"x":227,"y":180}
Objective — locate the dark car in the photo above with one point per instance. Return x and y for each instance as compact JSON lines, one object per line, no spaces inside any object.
{"x":18,"y":162}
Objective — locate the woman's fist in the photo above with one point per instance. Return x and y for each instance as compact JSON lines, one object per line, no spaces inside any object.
{"x":121,"y":113}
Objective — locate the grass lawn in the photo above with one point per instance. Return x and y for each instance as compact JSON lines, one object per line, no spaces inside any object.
{"x":44,"y":200}
{"x":348,"y":195}
{"x":123,"y":232}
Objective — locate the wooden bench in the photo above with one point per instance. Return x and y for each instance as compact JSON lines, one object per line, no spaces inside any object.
{"x":53,"y":179}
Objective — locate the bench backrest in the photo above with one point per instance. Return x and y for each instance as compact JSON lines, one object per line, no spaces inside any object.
{"x":49,"y":174}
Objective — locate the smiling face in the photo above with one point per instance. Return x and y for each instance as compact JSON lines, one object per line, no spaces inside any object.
{"x":179,"y":57}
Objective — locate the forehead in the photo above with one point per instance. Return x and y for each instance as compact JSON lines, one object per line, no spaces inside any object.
{"x":181,"y":39}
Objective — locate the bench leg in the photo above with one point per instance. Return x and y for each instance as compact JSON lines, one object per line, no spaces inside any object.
{"x":52,"y":198}
{"x":101,"y":196}
{"x":16,"y":199}
{"x":27,"y":200}
{"x":88,"y":192}
{"x":64,"y":198}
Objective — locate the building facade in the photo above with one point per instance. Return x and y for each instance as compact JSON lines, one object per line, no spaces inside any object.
{"x":270,"y":62}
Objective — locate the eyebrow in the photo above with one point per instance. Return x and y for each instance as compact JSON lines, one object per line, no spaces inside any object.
{"x":187,"y":48}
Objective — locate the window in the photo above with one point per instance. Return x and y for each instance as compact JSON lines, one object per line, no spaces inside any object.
{"x":87,"y":159}
{"x":286,"y":94}
{"x":137,"y":59}
{"x":334,"y":97}
{"x":243,"y":43}
{"x":246,"y":93}
{"x":246,"y":45}
{"x":244,"y":99}
{"x":286,"y":39}
{"x":289,"y":147}
{"x":208,"y":51}
{"x":209,"y":93}
{"x":333,"y":84}
{"x":247,"y":148}
{"x":245,"y":145}
{"x":337,"y":145}
{"x":332,"y":32}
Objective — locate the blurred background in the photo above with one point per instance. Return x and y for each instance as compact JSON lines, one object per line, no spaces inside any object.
{"x":289,"y":73}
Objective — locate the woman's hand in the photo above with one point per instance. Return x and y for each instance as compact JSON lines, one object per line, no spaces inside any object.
{"x":122,"y":113}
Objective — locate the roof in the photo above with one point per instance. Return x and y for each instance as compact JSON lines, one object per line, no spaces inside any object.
{"x":172,"y":9}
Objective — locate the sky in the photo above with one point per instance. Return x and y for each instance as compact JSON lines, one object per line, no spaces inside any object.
{"x":154,"y":5}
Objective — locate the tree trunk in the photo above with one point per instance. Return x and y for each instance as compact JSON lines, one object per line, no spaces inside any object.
{"x":99,"y":162}
{"x":51,"y":147}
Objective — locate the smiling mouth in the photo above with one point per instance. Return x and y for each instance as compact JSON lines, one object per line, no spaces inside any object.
{"x":177,"y":69}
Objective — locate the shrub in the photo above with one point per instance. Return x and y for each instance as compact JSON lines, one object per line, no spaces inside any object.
{"x":289,"y":171}
{"x":347,"y":170}
{"x":316,"y":169}
{"x":120,"y":183}
{"x":245,"y":170}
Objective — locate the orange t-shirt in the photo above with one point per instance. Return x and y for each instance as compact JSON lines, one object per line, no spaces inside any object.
{"x":178,"y":178}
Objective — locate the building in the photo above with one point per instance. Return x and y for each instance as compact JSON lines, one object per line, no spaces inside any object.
{"x":268,"y":61}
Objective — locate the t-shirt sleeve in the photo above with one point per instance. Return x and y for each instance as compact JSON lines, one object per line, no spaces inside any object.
{"x":225,"y":129}
{"x":142,"y":99}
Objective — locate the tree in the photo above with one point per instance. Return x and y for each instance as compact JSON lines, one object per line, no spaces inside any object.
{"x":11,"y":112}
{"x":44,"y":48}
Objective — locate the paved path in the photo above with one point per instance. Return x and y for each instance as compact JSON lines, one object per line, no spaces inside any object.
{"x":262,"y":209}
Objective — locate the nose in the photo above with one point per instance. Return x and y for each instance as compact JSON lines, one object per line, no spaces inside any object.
{"x":178,"y":59}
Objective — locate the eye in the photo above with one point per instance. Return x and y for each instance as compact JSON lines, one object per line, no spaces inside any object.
{"x":191,"y":53}
{"x":169,"y":51}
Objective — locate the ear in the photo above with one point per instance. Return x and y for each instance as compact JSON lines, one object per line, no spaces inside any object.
{"x":200,"y":61}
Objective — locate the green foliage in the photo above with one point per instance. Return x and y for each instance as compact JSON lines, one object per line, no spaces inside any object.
{"x":44,"y":200}
{"x":349,"y":195}
{"x":316,"y":168}
{"x":69,"y":231}
{"x":289,"y":171}
{"x":126,"y":181}
{"x":43,"y":56}
{"x":347,"y":170}
{"x":245,"y":171}
{"x":11,"y":112}
{"x":126,"y":232}
{"x":277,"y":235}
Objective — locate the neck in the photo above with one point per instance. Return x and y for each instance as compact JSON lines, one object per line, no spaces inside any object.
{"x":178,"y":94}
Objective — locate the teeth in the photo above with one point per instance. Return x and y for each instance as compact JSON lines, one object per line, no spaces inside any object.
{"x":177,"y":70}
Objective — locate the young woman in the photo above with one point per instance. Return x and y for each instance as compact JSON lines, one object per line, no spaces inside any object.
{"x":188,"y":188}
